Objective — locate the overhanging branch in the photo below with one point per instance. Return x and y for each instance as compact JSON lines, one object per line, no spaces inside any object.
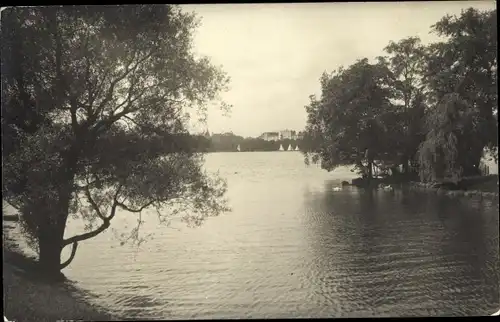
{"x":106,"y":223}
{"x":123,"y":206}
{"x":71,"y":257}
{"x":88,"y":235}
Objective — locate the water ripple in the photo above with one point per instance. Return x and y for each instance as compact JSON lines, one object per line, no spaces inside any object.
{"x":292,"y":247}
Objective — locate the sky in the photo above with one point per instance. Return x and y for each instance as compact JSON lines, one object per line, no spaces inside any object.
{"x":275,"y":53}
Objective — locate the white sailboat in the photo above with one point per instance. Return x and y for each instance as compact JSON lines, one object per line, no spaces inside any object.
{"x":238,"y":148}
{"x":290,"y":148}
{"x":281,"y":147}
{"x":297,"y":148}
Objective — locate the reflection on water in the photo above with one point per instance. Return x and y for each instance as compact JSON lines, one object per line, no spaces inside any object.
{"x":292,"y":247}
{"x":404,"y":254}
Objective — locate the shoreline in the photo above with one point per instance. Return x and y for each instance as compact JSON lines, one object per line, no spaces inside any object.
{"x":27,"y":298}
{"x":453,"y":193}
{"x":480,"y":186}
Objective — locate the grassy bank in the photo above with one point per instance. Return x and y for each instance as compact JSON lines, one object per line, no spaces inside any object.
{"x":28,"y":298}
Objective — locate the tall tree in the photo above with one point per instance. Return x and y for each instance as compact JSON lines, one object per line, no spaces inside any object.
{"x":406,"y":59}
{"x":461,"y":78}
{"x":94,"y":102}
{"x":346,"y":125}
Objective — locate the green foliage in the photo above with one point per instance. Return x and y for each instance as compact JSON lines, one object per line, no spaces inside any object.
{"x":461,"y":81}
{"x":350,"y":117}
{"x":428,"y":108}
{"x":439,"y":152}
{"x":94,"y":114}
{"x":406,"y":59}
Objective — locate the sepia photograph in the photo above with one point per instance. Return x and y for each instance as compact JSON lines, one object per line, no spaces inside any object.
{"x":250,"y":161}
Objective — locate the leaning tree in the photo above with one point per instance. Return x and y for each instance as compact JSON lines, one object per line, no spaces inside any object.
{"x":94,"y":119}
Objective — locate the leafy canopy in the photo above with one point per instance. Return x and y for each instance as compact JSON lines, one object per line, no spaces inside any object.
{"x":95,"y":103}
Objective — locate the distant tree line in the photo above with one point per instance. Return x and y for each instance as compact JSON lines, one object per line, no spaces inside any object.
{"x":426,"y":112}
{"x":229,"y":142}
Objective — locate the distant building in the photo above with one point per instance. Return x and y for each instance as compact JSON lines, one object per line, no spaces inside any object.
{"x":270,"y":136}
{"x":300,"y":135}
{"x":281,"y":135}
{"x":287,"y":134}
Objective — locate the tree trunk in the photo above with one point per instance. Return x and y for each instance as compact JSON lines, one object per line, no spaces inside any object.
{"x":369,"y":157}
{"x":406,"y":168}
{"x":51,"y":236}
{"x":370,"y":171}
{"x":50,"y":247}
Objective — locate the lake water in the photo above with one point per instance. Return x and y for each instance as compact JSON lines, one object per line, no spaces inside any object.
{"x":293,"y":247}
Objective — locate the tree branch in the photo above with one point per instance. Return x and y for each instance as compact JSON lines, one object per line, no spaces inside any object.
{"x":91,"y":234}
{"x":71,"y":257}
{"x":111,"y":89}
{"x":142,"y":126}
{"x":129,"y":98}
{"x":115,"y":203}
{"x":88,"y":235}
{"x":99,"y":89}
{"x":127,"y":110}
{"x":135,"y":210}
{"x":93,"y":203}
{"x":109,"y":94}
